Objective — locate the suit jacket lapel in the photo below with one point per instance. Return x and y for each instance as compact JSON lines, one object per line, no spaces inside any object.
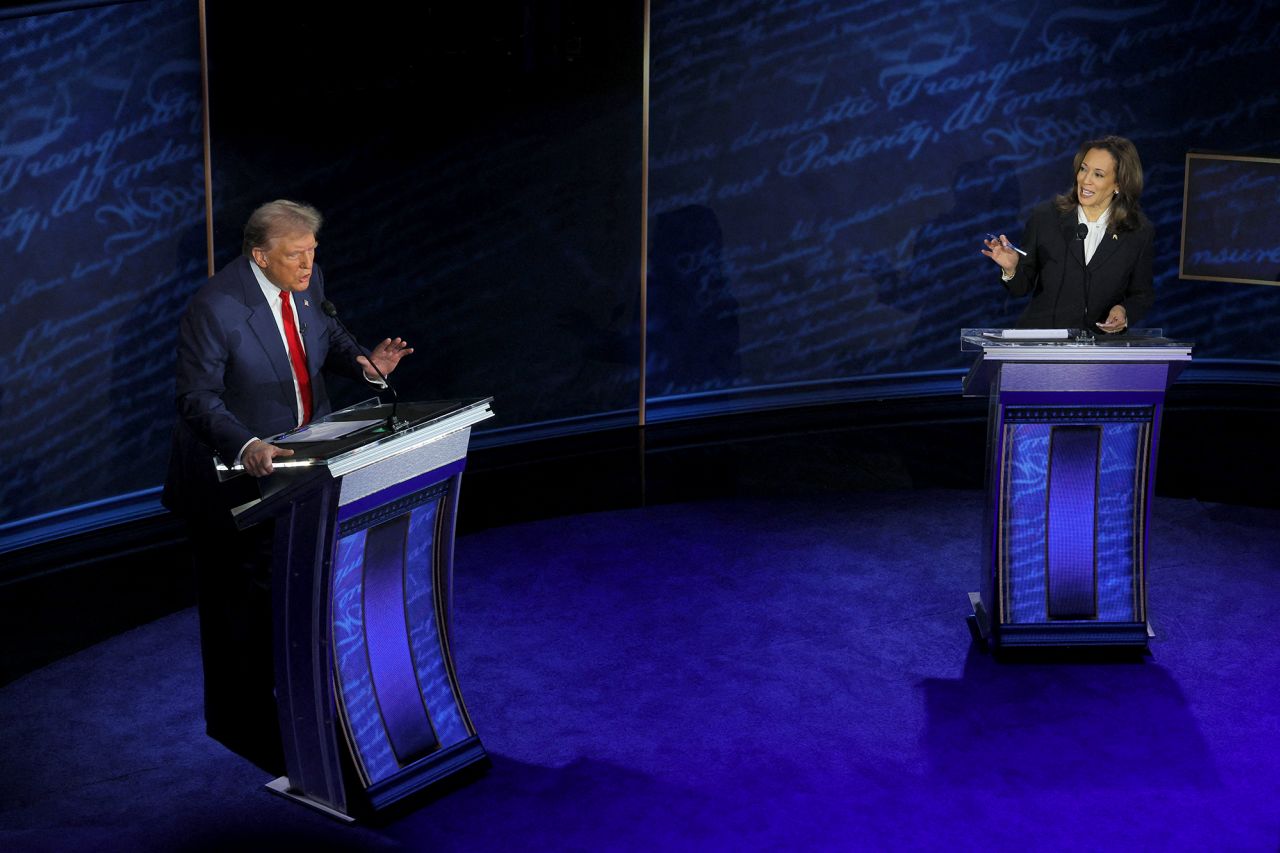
{"x":1075,"y":247}
{"x":1110,"y":243}
{"x":263,"y":325}
{"x":311,"y":329}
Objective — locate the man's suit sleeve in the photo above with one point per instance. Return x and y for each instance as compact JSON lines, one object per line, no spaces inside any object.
{"x":202,"y":361}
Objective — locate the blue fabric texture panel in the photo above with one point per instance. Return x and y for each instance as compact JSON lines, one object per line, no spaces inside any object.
{"x":1070,"y":531}
{"x":1119,"y":564}
{"x":351,"y":661}
{"x":1117,"y":557}
{"x":1024,"y":525}
{"x":386,"y":630}
{"x":425,"y":637}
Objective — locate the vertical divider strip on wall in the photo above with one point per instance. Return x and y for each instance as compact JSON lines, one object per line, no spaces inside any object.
{"x":644,"y":218}
{"x":208,"y":158}
{"x":644,"y":255}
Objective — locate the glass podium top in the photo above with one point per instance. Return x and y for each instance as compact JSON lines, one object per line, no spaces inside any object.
{"x":348,"y":440}
{"x":1072,"y":345}
{"x":361,"y":434}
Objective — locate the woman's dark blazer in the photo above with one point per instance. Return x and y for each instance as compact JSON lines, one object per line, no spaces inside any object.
{"x":1054,"y":272}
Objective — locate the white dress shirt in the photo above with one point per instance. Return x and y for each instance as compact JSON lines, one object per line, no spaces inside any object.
{"x":1097,"y":230}
{"x":272,"y":294}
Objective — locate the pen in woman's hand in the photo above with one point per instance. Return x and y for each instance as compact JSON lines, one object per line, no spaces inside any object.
{"x":1006,"y":244}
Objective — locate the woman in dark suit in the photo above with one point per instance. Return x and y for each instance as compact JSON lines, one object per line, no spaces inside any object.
{"x":1088,"y":251}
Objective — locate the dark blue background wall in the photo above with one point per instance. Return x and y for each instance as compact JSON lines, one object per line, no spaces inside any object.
{"x":820,"y":176}
{"x":841,"y":161}
{"x":479,"y":165}
{"x":101,"y":243}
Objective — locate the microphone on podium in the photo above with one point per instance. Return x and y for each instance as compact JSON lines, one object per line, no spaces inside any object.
{"x":1082,"y":231}
{"x":331,"y":311}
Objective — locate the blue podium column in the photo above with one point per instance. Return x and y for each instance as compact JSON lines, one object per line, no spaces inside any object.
{"x":398,"y":701}
{"x":369,"y":704}
{"x":1073,"y":429}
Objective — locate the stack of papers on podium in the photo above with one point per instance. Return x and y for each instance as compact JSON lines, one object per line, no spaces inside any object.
{"x":1034,"y":334}
{"x":322,"y":431}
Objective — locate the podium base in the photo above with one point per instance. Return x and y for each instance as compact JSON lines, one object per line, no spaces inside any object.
{"x":427,"y":772}
{"x":280,"y":786}
{"x":978,"y":621}
{"x":1098,"y":634}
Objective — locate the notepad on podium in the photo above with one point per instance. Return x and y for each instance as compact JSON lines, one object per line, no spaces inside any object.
{"x":1030,"y":334}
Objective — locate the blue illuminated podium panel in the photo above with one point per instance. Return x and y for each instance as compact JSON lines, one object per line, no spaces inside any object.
{"x":369,"y":704}
{"x":1072,"y":431}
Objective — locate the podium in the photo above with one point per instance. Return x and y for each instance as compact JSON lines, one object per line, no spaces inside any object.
{"x":1073,"y":427}
{"x":369,"y":706}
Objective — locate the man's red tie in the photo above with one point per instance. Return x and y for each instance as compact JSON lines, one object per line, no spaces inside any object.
{"x":296,"y":356}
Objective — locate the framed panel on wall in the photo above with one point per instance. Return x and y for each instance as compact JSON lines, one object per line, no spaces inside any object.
{"x":1230,"y":231}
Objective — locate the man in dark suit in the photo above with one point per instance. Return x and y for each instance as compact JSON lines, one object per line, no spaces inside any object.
{"x":253,"y":346}
{"x":1088,"y":252}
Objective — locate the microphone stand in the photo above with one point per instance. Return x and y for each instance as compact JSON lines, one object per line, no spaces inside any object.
{"x":1086,"y":334}
{"x":393,"y":423}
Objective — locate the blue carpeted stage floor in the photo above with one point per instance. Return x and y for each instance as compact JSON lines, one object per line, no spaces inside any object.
{"x":731,"y":675}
